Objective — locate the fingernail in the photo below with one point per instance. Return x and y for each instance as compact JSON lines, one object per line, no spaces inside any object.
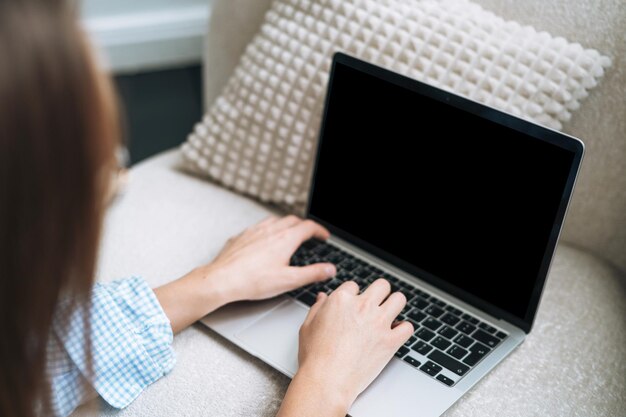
{"x":330,"y":270}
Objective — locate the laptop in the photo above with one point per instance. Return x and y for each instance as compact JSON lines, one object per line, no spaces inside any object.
{"x":457,"y":204}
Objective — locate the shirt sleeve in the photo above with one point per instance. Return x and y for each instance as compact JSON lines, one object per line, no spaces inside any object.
{"x":130,"y":338}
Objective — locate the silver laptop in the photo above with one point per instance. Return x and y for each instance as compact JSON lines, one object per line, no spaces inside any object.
{"x":457,"y":204}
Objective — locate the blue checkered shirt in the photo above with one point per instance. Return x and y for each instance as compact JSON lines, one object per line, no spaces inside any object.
{"x":131,"y":348}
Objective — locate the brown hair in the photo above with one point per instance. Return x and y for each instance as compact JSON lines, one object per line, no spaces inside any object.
{"x":58,"y":131}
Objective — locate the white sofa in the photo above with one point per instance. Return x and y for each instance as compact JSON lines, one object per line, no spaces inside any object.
{"x":572,"y":364}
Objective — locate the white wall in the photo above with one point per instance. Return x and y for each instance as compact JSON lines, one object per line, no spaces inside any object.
{"x":116,"y":7}
{"x":138,"y":35}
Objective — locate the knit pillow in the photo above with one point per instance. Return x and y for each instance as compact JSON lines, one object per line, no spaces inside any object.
{"x":259,"y":135}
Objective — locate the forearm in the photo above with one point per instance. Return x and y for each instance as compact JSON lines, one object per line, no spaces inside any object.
{"x":310,"y":394}
{"x":190,"y":298}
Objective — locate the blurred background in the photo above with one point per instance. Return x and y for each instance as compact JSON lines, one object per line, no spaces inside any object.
{"x":153,"y":49}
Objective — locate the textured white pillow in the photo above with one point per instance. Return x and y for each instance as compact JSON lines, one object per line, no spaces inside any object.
{"x":259,"y":135}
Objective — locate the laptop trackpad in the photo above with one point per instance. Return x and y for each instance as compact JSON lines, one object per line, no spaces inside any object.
{"x":274,"y":337}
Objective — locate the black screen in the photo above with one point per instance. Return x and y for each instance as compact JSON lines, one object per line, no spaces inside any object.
{"x":467,"y":200}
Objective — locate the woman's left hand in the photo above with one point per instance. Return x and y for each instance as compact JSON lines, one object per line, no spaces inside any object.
{"x":252,"y":265}
{"x":255,"y":264}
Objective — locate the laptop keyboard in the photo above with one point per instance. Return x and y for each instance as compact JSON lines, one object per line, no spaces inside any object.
{"x":447,"y":342}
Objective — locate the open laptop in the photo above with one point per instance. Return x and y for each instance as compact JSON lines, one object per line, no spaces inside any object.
{"x":457,"y":204}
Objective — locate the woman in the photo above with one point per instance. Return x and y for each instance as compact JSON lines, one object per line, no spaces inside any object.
{"x":67,"y":339}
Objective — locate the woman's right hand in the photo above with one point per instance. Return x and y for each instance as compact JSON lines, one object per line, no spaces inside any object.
{"x":345,"y":342}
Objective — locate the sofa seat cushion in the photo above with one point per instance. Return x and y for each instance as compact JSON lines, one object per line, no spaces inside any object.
{"x":168,"y":222}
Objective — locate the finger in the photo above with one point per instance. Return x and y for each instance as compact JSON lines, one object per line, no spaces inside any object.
{"x":401,"y":333}
{"x":313,"y":273}
{"x":377,"y":291}
{"x":319,"y":301}
{"x":350,"y":287}
{"x":393,"y":305}
{"x":307,"y":229}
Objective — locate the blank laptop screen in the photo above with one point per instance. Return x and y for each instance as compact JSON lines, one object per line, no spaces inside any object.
{"x":466,"y":200}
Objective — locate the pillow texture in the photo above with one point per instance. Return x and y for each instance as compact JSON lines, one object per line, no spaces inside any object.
{"x":259,"y":136}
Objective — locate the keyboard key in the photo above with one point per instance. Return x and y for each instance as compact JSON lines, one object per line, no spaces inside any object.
{"x":307,"y":298}
{"x":402,"y":351}
{"x":335,"y":257}
{"x":437,"y":302}
{"x":412,"y":361}
{"x":416,"y":315}
{"x":425,"y":334}
{"x":373,"y":277}
{"x":450,"y":319}
{"x":440,"y":343}
{"x":377,"y":271}
{"x":322,"y":251}
{"x":457,"y":351}
{"x":448,"y":362}
{"x":333,"y":284}
{"x":472,"y":320}
{"x":479,"y":348}
{"x":486,"y":338}
{"x":419,"y":303}
{"x":409,"y":296}
{"x":448,"y":332}
{"x":477,"y":352}
{"x":349,"y":265}
{"x":370,"y":279}
{"x":487,"y":328}
{"x":362,"y":272}
{"x":394,"y":288}
{"x":361,"y":282}
{"x":343,"y":276}
{"x":454,"y":311}
{"x":388,"y":277}
{"x":465,"y":327}
{"x":434,"y":311}
{"x":301,"y":249}
{"x":421,"y":293}
{"x":431,"y":368}
{"x":472,"y":359}
{"x":313,"y":260}
{"x":421,"y":347}
{"x":445,"y":380}
{"x":431,"y":323}
{"x":411,"y":340}
{"x":501,"y":335}
{"x":311,"y":243}
{"x":464,"y":341}
{"x":404,"y":286}
{"x":359,"y":262}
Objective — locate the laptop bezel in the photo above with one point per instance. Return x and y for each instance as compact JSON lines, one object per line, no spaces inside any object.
{"x":540,"y":132}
